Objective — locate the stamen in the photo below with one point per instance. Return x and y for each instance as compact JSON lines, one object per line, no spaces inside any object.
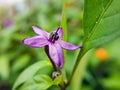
{"x":57,"y":29}
{"x":54,"y":36}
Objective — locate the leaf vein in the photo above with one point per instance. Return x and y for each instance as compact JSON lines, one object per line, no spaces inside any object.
{"x":99,"y":19}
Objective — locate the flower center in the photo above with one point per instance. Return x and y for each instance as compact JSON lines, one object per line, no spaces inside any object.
{"x":54,"y":36}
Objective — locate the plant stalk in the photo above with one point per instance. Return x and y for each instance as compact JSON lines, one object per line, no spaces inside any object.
{"x":79,"y":57}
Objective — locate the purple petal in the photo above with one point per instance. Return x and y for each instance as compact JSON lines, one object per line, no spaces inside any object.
{"x":60,"y":32}
{"x":69,"y":46}
{"x":36,"y":41}
{"x":60,"y":55}
{"x":40,"y":32}
{"x":56,"y":54}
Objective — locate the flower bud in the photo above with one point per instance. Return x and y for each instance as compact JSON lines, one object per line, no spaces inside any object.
{"x":55,"y":74}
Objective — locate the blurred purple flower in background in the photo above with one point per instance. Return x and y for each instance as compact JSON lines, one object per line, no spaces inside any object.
{"x":7,"y":23}
{"x":54,"y":43}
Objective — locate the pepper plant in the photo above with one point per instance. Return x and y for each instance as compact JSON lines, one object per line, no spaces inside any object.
{"x":101,"y":24}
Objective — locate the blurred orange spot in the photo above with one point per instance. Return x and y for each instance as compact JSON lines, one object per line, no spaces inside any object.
{"x":69,"y":4}
{"x":101,"y":54}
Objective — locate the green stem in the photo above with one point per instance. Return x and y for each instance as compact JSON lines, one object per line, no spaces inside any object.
{"x":79,"y":57}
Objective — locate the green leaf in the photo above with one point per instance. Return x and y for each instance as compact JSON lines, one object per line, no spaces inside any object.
{"x":41,"y":78}
{"x":80,"y":72}
{"x":64,"y":20}
{"x":64,"y":26}
{"x":38,"y":82}
{"x":21,"y":62}
{"x":30,"y":72}
{"x":101,"y":22}
{"x":4,"y":67}
{"x":58,"y":80}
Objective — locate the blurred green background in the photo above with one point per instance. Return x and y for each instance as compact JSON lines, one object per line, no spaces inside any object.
{"x":16,"y":19}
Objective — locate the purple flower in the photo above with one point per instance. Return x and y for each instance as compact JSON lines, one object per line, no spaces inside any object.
{"x":54,"y":43}
{"x":7,"y":23}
